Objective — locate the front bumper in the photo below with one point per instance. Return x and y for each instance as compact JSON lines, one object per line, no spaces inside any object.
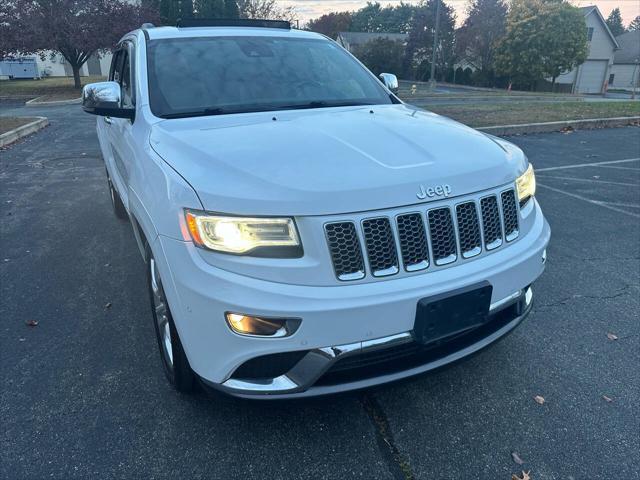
{"x":301,"y":380}
{"x":337,"y":321}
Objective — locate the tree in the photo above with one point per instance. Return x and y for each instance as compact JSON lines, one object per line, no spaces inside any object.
{"x":374,"y":18}
{"x":215,"y":9}
{"x":477,"y":38}
{"x":75,"y":29}
{"x":635,"y":24}
{"x":331,"y":24}
{"x":543,"y":38}
{"x":266,"y":10}
{"x":381,"y":55}
{"x":419,"y":48}
{"x":614,"y":22}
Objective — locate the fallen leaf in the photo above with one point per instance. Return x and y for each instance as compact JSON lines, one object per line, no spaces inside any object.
{"x":516,"y":458}
{"x":596,"y":177}
{"x":608,"y":399}
{"x":22,"y":339}
{"x":107,"y":305}
{"x":525,"y":476}
{"x":540,"y":400}
{"x":611,"y":336}
{"x":32,"y":323}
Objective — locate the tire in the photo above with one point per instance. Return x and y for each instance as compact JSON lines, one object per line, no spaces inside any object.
{"x":174,"y":361}
{"x":116,"y":201}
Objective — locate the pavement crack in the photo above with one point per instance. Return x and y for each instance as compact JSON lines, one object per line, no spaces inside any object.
{"x":398,"y":464}
{"x":566,"y":300}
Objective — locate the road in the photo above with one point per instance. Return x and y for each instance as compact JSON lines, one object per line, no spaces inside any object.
{"x":83,"y":394}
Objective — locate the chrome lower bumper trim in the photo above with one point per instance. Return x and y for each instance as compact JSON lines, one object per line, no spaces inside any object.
{"x":316,"y":362}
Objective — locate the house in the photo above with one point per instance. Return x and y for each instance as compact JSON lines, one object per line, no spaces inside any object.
{"x":593,"y":75}
{"x":352,"y":40}
{"x":53,"y":65}
{"x":625,"y":72}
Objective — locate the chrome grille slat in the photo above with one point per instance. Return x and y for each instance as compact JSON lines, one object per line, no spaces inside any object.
{"x":345,"y":249}
{"x":468,"y":229}
{"x":443,"y":237}
{"x":413,"y":242}
{"x":491,"y":224}
{"x":510,"y":215}
{"x":381,"y":246}
{"x":418,"y":239}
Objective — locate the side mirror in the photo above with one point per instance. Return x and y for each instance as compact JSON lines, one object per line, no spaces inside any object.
{"x":390,"y":81}
{"x":105,"y":99}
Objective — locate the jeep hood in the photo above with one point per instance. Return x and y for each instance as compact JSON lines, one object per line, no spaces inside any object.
{"x":327,"y":161}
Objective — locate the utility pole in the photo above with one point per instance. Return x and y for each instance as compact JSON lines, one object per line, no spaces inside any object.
{"x":432,"y":77}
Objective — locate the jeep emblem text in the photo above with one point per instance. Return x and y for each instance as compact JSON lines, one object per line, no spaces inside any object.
{"x":437,"y":191}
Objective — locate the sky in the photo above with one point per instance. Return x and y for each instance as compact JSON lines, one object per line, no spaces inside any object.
{"x":307,"y":9}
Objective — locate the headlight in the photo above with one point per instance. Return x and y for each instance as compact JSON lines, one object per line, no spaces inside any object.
{"x":270,"y":237}
{"x":526,"y":184}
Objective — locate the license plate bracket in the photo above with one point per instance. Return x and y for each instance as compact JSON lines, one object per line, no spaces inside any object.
{"x":452,"y":313}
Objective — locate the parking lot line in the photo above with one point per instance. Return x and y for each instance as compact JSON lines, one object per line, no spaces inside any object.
{"x":591,"y":180}
{"x":618,"y":168}
{"x":581,"y":165}
{"x":595,"y":202}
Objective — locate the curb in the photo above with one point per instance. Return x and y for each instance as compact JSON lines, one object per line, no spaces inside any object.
{"x":17,"y":133}
{"x":35,"y":103}
{"x":557,"y":126}
{"x":456,"y":99}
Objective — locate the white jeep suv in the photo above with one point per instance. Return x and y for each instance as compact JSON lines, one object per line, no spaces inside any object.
{"x":305,"y":231}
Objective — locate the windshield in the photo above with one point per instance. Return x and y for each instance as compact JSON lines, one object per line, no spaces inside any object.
{"x":218,"y":75}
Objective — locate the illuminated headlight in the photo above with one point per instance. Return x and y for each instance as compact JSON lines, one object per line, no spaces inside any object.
{"x":271,"y":237}
{"x":526,"y":184}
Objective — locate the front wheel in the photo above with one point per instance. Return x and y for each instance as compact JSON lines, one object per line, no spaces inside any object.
{"x":174,"y":361}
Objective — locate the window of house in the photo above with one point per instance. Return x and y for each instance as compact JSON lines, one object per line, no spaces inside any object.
{"x":611,"y":77}
{"x":589,"y":33}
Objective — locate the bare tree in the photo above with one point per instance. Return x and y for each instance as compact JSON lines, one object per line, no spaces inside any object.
{"x":266,"y":9}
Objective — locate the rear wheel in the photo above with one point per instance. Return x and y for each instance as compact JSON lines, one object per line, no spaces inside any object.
{"x":174,"y":361}
{"x":116,"y":201}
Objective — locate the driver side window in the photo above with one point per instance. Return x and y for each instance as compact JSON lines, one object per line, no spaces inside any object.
{"x":121,"y":73}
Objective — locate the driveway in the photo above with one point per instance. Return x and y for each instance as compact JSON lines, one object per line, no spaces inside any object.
{"x":83,"y":394}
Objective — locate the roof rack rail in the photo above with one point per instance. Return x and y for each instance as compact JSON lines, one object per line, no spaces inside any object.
{"x":232,"y":22}
{"x":147,"y":25}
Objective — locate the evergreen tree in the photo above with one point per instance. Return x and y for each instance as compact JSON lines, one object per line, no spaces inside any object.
{"x":478,"y":37}
{"x":614,"y":22}
{"x":418,"y":56}
{"x":635,"y":24}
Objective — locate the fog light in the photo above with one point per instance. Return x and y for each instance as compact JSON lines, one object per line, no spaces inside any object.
{"x":262,"y":326}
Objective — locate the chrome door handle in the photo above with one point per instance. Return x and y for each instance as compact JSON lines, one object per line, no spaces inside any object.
{"x":107,"y":120}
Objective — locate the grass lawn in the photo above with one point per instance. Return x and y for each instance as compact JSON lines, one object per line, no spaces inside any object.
{"x":58,"y":88}
{"x":515,"y":113}
{"x":9,"y":123}
{"x":410,"y":90}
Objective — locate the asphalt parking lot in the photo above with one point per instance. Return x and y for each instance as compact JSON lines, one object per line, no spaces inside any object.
{"x":83,"y":395}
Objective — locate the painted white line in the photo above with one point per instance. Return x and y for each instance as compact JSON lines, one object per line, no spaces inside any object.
{"x":594,"y":202}
{"x":591,"y":180}
{"x":619,"y":168}
{"x":582,"y":165}
{"x":628,"y":205}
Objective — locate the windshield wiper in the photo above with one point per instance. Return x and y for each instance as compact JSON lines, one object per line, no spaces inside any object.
{"x":199,"y":113}
{"x":320,"y":104}
{"x":262,"y":108}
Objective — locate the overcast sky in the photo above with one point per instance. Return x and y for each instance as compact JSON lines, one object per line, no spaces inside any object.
{"x":314,"y":8}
